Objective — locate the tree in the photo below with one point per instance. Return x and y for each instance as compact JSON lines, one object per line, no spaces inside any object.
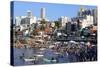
{"x":43,"y":22}
{"x":57,"y":24}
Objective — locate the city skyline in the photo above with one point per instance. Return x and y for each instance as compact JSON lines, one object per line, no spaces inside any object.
{"x":53,"y":11}
{"x":44,"y":33}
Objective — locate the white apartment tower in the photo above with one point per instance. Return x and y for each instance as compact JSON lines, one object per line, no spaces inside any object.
{"x":42,"y":13}
{"x":17,"y":20}
{"x":29,"y":14}
{"x":63,"y":20}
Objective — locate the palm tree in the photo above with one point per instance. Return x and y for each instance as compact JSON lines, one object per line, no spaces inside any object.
{"x":43,"y":22}
{"x":57,"y":24}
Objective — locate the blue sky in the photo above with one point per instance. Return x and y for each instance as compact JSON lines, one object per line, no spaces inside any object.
{"x":53,"y":11}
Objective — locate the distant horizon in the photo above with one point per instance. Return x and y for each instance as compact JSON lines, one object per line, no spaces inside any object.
{"x":53,"y":10}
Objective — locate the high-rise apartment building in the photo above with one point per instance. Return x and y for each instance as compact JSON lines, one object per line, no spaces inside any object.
{"x":42,"y":13}
{"x":63,"y":20}
{"x":17,"y":20}
{"x":29,"y":14}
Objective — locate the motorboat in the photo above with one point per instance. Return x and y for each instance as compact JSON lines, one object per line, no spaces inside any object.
{"x":39,"y":55}
{"x":40,"y":52}
{"x":51,"y":46}
{"x":58,"y":53}
{"x":42,"y":49}
{"x":33,"y":58}
{"x":48,"y":60}
{"x":29,"y":59}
